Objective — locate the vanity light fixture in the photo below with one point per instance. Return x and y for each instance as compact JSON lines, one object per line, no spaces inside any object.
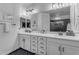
{"x":28,"y":11}
{"x":31,"y":11}
{"x":60,"y":5}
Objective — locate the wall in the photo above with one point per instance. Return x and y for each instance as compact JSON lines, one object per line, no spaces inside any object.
{"x":7,"y":40}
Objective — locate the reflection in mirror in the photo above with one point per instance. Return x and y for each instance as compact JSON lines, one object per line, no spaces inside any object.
{"x":60,"y":21}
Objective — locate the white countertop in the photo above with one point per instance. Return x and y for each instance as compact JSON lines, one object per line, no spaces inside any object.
{"x":51,"y":35}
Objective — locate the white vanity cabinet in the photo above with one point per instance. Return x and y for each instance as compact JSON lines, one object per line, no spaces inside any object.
{"x":38,"y":45}
{"x":53,"y":48}
{"x":70,"y":47}
{"x":42,"y":45}
{"x":21,"y":40}
{"x":34,"y":44}
{"x":62,"y":47}
{"x":70,"y":50}
{"x":25,"y":41}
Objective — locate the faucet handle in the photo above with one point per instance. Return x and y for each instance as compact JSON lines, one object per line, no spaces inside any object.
{"x":42,"y":31}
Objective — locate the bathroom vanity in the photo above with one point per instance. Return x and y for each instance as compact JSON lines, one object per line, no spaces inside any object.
{"x":42,"y":42}
{"x":49,"y":44}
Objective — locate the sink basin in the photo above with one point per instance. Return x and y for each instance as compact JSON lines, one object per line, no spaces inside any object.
{"x":28,"y":31}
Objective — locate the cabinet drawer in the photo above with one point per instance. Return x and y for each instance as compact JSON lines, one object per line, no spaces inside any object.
{"x":33,"y":45}
{"x":33,"y":38}
{"x":42,"y":47}
{"x":34,"y":41}
{"x":41,"y":52}
{"x":34,"y":50}
{"x":41,"y":39}
{"x":42,"y":43}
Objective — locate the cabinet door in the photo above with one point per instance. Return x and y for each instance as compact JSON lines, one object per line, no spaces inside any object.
{"x":21,"y":40}
{"x":69,"y":50}
{"x":27,"y":43}
{"x":53,"y":48}
{"x":41,"y":52}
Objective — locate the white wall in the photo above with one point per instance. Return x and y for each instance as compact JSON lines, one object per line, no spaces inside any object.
{"x":7,"y":40}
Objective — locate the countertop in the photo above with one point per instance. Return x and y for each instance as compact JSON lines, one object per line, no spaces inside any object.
{"x":64,"y":37}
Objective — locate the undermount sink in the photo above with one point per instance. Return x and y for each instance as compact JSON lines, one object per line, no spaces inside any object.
{"x":28,"y":31}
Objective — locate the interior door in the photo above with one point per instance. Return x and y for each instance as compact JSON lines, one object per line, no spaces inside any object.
{"x":70,"y":50}
{"x":53,"y":48}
